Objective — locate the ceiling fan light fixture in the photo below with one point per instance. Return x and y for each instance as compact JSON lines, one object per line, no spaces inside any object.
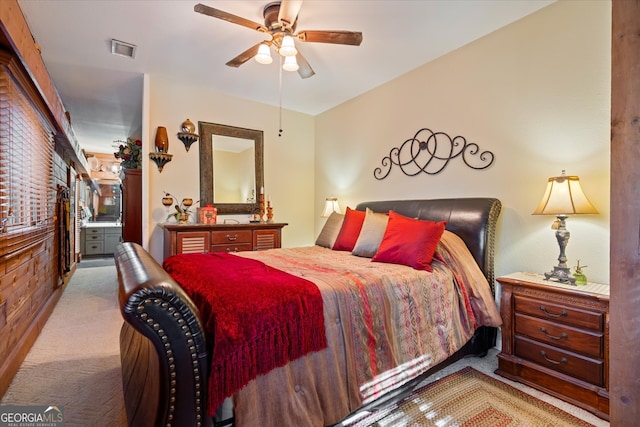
{"x":264,"y":54}
{"x":288,"y":47}
{"x":290,"y":64}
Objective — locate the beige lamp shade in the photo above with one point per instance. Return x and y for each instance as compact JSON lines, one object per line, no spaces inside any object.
{"x":564,"y":196}
{"x":330,"y":206}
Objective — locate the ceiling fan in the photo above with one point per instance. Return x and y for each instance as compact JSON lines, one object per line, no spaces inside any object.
{"x":280,"y":22}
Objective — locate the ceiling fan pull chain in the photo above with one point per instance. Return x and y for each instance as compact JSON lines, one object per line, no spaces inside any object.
{"x":280,"y":89}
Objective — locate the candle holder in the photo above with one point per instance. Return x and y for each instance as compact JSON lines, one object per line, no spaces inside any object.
{"x":261,"y":207}
{"x":269,"y":211}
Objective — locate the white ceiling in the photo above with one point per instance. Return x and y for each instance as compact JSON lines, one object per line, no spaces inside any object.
{"x":103,"y":92}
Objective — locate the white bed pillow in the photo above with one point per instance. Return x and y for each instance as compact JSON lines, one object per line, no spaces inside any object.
{"x":330,"y":231}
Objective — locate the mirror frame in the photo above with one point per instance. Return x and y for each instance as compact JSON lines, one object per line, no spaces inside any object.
{"x":207,"y":131}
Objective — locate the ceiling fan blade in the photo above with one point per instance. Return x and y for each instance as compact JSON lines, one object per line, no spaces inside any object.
{"x":353,"y":38}
{"x":234,"y":19}
{"x":289,"y":10}
{"x":244,"y":56}
{"x":304,"y":69}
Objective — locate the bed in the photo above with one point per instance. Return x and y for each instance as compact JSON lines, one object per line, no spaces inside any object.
{"x":169,"y":360}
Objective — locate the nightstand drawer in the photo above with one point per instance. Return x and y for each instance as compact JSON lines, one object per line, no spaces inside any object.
{"x":560,"y":313}
{"x":231,"y":237}
{"x":582,"y":341}
{"x":584,"y":368}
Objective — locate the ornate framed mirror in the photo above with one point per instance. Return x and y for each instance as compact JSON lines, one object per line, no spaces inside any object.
{"x":231,"y":167}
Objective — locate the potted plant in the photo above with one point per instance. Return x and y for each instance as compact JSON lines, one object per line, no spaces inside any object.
{"x":130,"y":153}
{"x":183,"y":211}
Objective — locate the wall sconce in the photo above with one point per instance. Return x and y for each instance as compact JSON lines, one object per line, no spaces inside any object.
{"x":161,"y":157}
{"x":563,"y":196}
{"x":330,"y":206}
{"x":188,"y":135}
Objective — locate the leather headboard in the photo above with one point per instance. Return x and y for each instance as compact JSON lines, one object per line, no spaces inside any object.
{"x":473,"y":219}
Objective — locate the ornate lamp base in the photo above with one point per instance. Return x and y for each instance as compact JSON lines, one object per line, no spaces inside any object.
{"x":562,"y":274}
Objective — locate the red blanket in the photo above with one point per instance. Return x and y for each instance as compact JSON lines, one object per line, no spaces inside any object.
{"x":260,"y":317}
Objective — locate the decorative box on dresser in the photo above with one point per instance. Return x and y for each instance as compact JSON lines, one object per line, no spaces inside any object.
{"x":203,"y":238}
{"x":555,"y":338}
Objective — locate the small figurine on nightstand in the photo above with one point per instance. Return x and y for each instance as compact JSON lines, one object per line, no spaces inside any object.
{"x":581,"y":279}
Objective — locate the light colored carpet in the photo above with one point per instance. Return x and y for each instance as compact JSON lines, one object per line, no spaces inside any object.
{"x":75,"y":362}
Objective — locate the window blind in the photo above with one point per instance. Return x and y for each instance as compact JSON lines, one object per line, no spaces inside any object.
{"x":27,"y":192}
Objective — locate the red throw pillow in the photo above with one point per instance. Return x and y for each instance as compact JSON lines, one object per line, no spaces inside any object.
{"x":409,"y":241}
{"x":349,"y":231}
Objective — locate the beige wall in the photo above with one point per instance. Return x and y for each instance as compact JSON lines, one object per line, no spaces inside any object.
{"x":288,"y":160}
{"x":536,"y":93}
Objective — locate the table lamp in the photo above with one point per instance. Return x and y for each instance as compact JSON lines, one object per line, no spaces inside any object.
{"x":330,"y":206}
{"x":563,"y":197}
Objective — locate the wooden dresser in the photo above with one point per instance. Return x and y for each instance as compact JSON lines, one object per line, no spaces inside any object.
{"x":555,"y":338}
{"x":190,"y":238}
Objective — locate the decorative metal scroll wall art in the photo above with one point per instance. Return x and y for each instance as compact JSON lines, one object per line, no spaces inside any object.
{"x":430,"y":152}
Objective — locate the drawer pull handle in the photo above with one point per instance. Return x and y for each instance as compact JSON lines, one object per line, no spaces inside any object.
{"x":563,"y":336}
{"x":232,"y":250}
{"x":548,"y":313}
{"x":555,"y":362}
{"x":232,"y":238}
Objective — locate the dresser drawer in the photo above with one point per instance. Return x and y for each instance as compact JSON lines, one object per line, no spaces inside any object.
{"x":567,"y":315}
{"x":579,"y":340}
{"x":240,"y":247}
{"x":577,"y":366}
{"x":232,"y":237}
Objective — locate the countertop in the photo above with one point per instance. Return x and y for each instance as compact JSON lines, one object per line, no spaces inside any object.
{"x":101,"y":224}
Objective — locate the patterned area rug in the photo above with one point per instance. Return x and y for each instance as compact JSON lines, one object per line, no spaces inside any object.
{"x":472,"y":399}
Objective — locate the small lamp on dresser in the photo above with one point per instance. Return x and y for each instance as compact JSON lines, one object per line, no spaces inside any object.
{"x":563,"y":197}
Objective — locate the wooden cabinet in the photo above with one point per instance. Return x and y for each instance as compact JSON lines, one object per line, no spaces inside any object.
{"x":189,"y":238}
{"x":99,"y":239}
{"x":132,"y":206}
{"x":555,"y":338}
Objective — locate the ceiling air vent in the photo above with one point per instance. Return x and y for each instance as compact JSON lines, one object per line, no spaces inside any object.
{"x":122,"y":48}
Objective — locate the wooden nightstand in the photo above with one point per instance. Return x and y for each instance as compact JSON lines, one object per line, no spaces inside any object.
{"x":555,"y":338}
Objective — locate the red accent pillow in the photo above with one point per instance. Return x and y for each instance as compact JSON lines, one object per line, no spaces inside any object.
{"x":409,"y":241}
{"x":349,"y":231}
